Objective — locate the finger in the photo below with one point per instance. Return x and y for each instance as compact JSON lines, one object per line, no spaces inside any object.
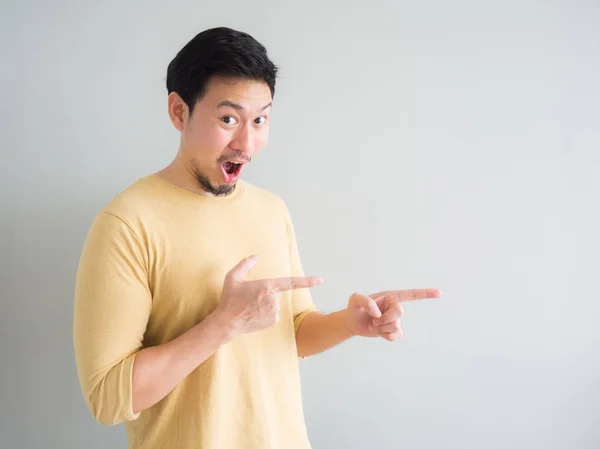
{"x":292,"y":283}
{"x":240,"y":271}
{"x":393,"y":336}
{"x":394,"y":312}
{"x":267,"y":292}
{"x":416,"y":294}
{"x":273,"y":298}
{"x":390,"y":328}
{"x":365,"y":302}
{"x":410,"y":295}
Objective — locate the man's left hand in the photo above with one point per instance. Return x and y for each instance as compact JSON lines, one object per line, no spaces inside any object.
{"x":379,"y":314}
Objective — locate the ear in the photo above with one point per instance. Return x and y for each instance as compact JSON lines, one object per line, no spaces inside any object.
{"x":178,"y":111}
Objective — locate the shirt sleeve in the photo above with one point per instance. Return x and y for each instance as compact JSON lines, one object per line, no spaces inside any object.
{"x":111,"y":311}
{"x":302,"y":303}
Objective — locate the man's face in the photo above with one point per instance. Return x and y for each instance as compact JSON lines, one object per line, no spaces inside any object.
{"x":228,"y":126}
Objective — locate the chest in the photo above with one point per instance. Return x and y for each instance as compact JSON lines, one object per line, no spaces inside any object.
{"x":189,"y":262}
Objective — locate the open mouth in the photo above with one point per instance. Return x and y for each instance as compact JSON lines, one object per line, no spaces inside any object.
{"x":231,"y":171}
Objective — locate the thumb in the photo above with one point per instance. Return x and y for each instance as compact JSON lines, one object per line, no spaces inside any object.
{"x":240,"y":271}
{"x":359,"y":301}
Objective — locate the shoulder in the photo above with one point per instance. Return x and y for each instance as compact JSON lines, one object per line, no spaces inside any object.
{"x":137,"y":196}
{"x":123,"y":212}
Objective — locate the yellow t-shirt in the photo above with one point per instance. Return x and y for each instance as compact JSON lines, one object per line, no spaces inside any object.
{"x":152,"y":267}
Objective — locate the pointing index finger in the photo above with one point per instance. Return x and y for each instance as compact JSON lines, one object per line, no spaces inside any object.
{"x":293,"y":283}
{"x":409,"y":295}
{"x":416,"y":294}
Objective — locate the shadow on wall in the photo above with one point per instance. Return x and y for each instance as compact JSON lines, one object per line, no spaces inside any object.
{"x":41,"y":405}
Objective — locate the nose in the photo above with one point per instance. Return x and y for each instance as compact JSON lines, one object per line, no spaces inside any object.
{"x":244,"y":140}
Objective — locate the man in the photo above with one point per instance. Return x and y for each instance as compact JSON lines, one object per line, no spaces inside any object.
{"x":191,"y":305}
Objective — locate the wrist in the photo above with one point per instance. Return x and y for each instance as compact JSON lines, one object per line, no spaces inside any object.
{"x":226,"y":326}
{"x":347,"y":322}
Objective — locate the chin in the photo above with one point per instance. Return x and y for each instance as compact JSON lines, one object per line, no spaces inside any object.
{"x":223,"y":189}
{"x":217,"y":189}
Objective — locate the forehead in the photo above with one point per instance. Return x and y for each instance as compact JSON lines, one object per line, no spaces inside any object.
{"x":251,"y":94}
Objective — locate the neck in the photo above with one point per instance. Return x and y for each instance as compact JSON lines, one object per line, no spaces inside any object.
{"x":177,"y":173}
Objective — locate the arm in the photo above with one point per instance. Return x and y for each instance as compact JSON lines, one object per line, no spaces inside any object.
{"x":376,"y":315}
{"x":112,"y":306}
{"x":119,"y":377}
{"x":159,"y":369}
{"x":319,"y":332}
{"x":111,"y":310}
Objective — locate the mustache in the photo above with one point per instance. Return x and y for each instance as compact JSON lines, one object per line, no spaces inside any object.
{"x":234,"y":155}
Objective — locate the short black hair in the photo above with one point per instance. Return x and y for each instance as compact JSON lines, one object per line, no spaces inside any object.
{"x":214,"y":52}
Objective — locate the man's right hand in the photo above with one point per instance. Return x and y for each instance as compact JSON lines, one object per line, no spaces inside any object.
{"x":249,"y":306}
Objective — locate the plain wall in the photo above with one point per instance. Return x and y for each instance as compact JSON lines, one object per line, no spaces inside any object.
{"x":452,"y":145}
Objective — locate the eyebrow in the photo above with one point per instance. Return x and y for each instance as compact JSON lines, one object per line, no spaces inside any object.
{"x":237,"y":106}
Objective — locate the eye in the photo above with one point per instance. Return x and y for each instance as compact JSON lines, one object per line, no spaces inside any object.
{"x":261,"y":120}
{"x":229,"y":120}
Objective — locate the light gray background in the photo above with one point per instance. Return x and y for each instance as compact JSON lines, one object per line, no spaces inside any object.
{"x":453,"y":145}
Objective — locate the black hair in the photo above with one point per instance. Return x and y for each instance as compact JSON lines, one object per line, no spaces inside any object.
{"x":218,"y":51}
